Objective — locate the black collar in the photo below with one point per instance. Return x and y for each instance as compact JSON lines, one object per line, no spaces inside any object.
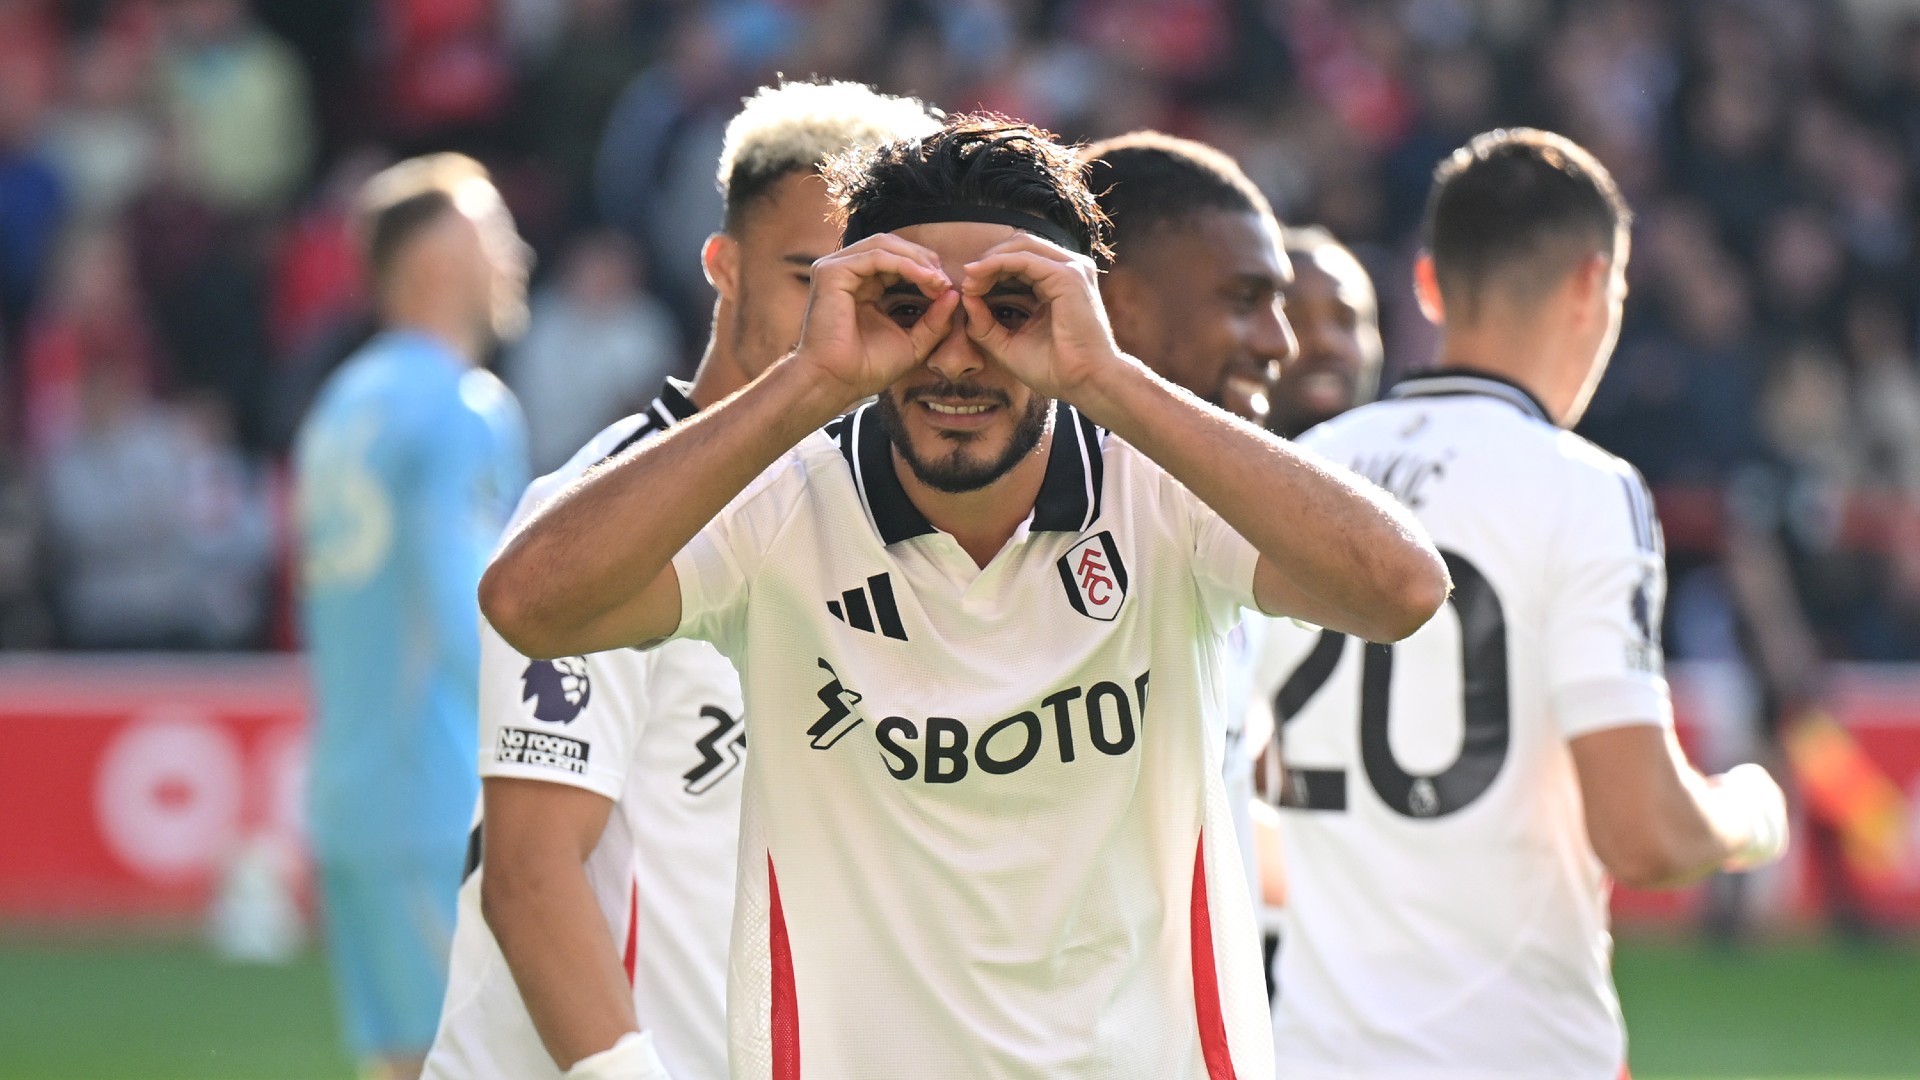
{"x":673,"y":404}
{"x":1454,"y":382}
{"x":1069,"y":499}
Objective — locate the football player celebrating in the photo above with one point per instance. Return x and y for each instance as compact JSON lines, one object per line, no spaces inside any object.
{"x":1455,"y":802}
{"x":593,"y":927}
{"x":980,"y":638}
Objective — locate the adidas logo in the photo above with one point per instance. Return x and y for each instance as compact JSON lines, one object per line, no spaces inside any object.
{"x":853,"y":609}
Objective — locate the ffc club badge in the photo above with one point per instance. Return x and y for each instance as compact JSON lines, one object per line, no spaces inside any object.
{"x":1095,"y":578}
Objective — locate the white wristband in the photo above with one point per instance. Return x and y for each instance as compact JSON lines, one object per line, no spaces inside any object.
{"x":632,"y":1058}
{"x":1764,"y":808}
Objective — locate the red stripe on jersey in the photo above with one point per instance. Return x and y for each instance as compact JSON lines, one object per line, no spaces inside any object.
{"x":633,"y":931}
{"x":786,"y":1012}
{"x":1206,"y":981}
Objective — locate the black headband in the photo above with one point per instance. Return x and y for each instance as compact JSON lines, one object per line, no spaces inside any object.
{"x":991,"y":215}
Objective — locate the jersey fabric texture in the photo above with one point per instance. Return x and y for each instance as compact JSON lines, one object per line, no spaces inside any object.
{"x":1446,"y":914}
{"x":661,"y":734}
{"x":405,"y":471}
{"x":1249,"y":728}
{"x":984,"y":833}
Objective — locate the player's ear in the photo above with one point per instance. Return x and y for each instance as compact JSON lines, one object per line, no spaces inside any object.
{"x":1426,"y":289}
{"x":1123,"y":293}
{"x":720,"y":261}
{"x":1589,"y":282}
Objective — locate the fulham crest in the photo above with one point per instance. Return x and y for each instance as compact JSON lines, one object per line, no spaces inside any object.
{"x":1095,"y":578}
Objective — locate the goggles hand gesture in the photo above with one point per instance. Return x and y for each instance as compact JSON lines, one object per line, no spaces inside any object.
{"x":1035,"y":307}
{"x":878,"y":308}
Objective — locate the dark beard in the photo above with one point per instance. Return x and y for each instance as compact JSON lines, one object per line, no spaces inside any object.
{"x":956,"y":473}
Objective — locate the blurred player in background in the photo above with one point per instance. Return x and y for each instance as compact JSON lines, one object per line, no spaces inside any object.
{"x":1455,"y":802}
{"x":934,"y":879}
{"x":602,"y":899}
{"x":1331,"y":306}
{"x":1193,"y":292}
{"x":407,"y":466}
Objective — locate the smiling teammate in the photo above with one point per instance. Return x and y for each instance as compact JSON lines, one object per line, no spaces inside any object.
{"x":1456,"y":801}
{"x":1331,"y":306}
{"x":984,"y":833}
{"x":603,"y":902}
{"x":1197,"y":269}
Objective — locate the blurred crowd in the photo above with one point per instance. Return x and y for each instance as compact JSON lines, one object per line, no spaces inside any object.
{"x":176,"y":272}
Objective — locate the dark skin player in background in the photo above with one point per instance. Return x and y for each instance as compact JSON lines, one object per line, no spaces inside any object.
{"x":1193,"y":288}
{"x":1331,"y":306}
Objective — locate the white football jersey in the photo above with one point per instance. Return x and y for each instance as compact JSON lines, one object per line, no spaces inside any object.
{"x":984,"y":834}
{"x":660,"y":733}
{"x":1249,"y":727}
{"x":1446,"y":914}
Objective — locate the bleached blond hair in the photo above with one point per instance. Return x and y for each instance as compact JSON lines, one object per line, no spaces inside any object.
{"x":793,"y":126}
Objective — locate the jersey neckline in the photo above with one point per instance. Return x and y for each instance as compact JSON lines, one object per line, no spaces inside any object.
{"x":1458,"y":382}
{"x":1069,"y":498}
{"x":668,"y":408}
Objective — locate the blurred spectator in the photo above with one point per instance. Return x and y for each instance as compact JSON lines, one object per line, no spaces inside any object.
{"x":104,"y":135}
{"x":1801,"y":269}
{"x":238,"y":98}
{"x":572,"y":89}
{"x":653,"y":177}
{"x":32,"y":198}
{"x":163,"y":537}
{"x":596,"y":348}
{"x":24,"y":622}
{"x":318,"y":280}
{"x":203,"y":274}
{"x":444,"y":68}
{"x":92,"y":317}
{"x":1681,"y":399}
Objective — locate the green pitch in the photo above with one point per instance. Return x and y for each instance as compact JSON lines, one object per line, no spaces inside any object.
{"x":119,"y":1011}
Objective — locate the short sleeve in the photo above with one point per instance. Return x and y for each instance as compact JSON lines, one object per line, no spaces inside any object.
{"x":1221,"y":558}
{"x":717,"y":567}
{"x":1607,"y":587}
{"x":573,"y":720}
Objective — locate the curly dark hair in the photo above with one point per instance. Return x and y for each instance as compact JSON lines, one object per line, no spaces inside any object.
{"x":976,"y":159}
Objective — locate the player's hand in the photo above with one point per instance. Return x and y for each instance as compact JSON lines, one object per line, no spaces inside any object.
{"x":877,"y":310}
{"x":1035,"y":307}
{"x":1766,"y":811}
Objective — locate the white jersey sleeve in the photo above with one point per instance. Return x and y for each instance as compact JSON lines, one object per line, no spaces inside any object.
{"x":717,"y":567}
{"x":569,"y":720}
{"x":1608,"y":576}
{"x":1223,"y":560}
